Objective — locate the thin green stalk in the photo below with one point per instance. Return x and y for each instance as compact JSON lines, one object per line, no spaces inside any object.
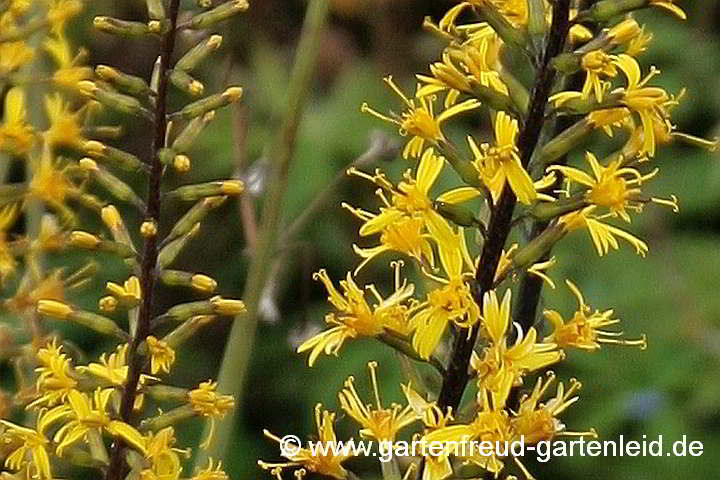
{"x":237,"y":353}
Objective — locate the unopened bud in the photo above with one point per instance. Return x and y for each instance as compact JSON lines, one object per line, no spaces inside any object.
{"x":108,"y":303}
{"x":203,"y":283}
{"x":148,"y":228}
{"x":125,"y":160}
{"x":82,"y":239}
{"x":198,"y":53}
{"x":181,"y":163}
{"x":209,"y":189}
{"x":228,"y":307}
{"x":218,"y":14}
{"x":213,"y":102}
{"x":116,"y":26}
{"x":186,"y":83}
{"x":128,"y":83}
{"x":115,"y":101}
{"x":189,"y":134}
{"x":54,"y":308}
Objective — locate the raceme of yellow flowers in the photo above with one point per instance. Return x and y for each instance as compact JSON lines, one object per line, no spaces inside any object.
{"x":587,"y":77}
{"x":116,"y":414}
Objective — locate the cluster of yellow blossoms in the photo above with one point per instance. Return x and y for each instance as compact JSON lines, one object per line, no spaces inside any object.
{"x":117,"y":414}
{"x":587,"y":78}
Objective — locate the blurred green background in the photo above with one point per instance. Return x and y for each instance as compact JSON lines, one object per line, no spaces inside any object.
{"x":673,"y":388}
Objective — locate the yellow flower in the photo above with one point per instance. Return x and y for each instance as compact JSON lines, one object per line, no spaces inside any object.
{"x":60,"y":11}
{"x":211,"y":472}
{"x":354,"y":317}
{"x":161,"y":355}
{"x":491,"y":424}
{"x":613,"y":187}
{"x":65,"y":126}
{"x":16,"y":134}
{"x":408,"y":219}
{"x":501,"y":163}
{"x":437,"y":467}
{"x":325,"y":462}
{"x":89,"y":415}
{"x":113,"y":369}
{"x":379,"y":423}
{"x":69,"y":72}
{"x":205,"y":401}
{"x":652,"y":104}
{"x":585,"y":329}
{"x":599,"y":66}
{"x":14,"y":55}
{"x":501,"y":366}
{"x":56,"y":376}
{"x":129,"y":293}
{"x":53,"y":183}
{"x":419,"y":120}
{"x":163,"y":457}
{"x":35,"y":448}
{"x":452,"y":301}
{"x":602,"y":234}
{"x":535,"y":422}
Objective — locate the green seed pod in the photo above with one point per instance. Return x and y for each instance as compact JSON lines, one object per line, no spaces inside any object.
{"x":194,"y":216}
{"x":125,"y":82}
{"x":189,"y":134}
{"x":563,"y":143}
{"x":213,"y":102}
{"x":156,"y":9}
{"x":209,"y":189}
{"x":198,"y":53}
{"x":125,"y":160}
{"x":217,"y":14}
{"x":186,"y":83}
{"x":115,"y":101}
{"x":116,"y":26}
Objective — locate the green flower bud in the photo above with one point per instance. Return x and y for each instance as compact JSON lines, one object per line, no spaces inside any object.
{"x":217,"y":14}
{"x":213,"y":102}
{"x":198,"y":53}
{"x":189,"y":134}
{"x":156,"y":9}
{"x":128,"y":83}
{"x":186,"y":83}
{"x":115,"y":101}
{"x":125,"y":160}
{"x":208,"y":189}
{"x":195,"y":215}
{"x":116,"y":26}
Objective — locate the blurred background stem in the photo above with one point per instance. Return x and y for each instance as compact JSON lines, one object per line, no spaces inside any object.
{"x":237,"y":353}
